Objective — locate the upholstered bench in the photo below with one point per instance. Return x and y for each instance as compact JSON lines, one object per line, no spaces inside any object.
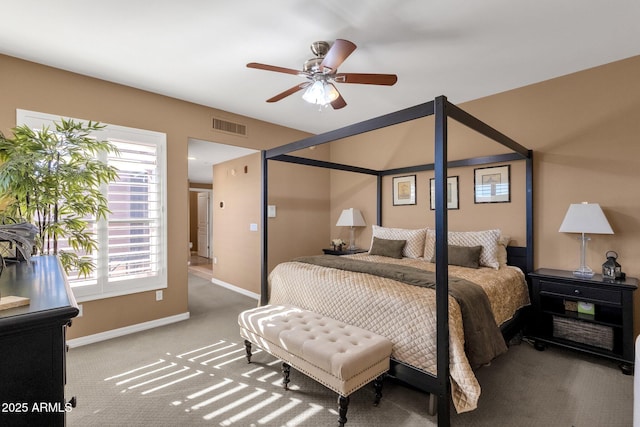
{"x":342,"y":357}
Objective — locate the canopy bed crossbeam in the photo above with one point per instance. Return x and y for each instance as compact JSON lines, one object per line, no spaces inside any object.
{"x":406,"y":115}
{"x":482,"y":128}
{"x":475,"y":161}
{"x":439,"y":384}
{"x":324,"y":164}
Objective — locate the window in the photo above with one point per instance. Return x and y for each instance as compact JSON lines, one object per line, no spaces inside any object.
{"x":131,"y":255}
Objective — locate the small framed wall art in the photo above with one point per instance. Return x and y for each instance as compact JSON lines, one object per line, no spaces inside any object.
{"x":492,"y":185}
{"x":452,"y":193}
{"x":404,"y":190}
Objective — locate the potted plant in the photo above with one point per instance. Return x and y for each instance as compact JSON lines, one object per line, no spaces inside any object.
{"x":51,"y":178}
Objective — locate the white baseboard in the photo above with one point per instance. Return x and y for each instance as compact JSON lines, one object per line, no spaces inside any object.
{"x":114,"y":333}
{"x":235,"y":289}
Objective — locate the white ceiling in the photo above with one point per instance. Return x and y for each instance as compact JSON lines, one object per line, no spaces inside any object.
{"x":197,"y":50}
{"x":203,"y":155}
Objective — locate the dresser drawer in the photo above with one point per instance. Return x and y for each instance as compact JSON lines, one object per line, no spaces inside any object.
{"x":581,"y":292}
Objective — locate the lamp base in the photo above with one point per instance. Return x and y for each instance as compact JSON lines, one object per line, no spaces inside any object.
{"x":352,"y":239}
{"x":584,"y":272}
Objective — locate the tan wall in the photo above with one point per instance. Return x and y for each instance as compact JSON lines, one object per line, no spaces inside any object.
{"x":236,"y":205}
{"x":35,"y":87}
{"x":584,"y":131}
{"x":380,"y":151}
{"x":301,"y":197}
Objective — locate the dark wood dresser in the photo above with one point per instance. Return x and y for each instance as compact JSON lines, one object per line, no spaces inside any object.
{"x":32,"y":344}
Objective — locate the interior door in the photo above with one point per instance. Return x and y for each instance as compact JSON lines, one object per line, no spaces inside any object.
{"x":203,"y":225}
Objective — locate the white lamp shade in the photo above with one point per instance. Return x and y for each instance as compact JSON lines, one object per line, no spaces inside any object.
{"x":585,"y":218}
{"x":351,"y":218}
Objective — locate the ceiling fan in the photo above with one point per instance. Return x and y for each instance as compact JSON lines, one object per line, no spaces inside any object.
{"x":321,"y":73}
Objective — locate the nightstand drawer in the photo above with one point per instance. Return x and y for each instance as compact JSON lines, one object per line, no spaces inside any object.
{"x":581,"y":292}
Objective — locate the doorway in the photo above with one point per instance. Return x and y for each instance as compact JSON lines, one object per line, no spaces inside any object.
{"x":203,"y":226}
{"x":203,"y":155}
{"x":200,"y":234}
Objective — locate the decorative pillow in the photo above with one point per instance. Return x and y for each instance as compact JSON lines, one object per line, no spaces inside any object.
{"x":503,"y":242}
{"x":488,"y":239}
{"x":386,"y":247}
{"x":414,"y":248}
{"x":464,"y":256}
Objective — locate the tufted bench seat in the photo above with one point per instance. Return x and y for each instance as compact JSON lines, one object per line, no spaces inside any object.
{"x":342,"y":357}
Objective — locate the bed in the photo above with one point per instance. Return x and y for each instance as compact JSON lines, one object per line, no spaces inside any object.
{"x":436,"y":362}
{"x":402,"y":310}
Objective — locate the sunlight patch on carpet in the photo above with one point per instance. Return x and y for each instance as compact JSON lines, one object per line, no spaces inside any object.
{"x":216,"y":384}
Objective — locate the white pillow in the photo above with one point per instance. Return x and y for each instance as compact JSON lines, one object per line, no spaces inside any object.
{"x":488,"y":239}
{"x":414,"y":248}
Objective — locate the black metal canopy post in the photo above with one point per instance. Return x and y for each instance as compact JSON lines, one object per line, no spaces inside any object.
{"x":529,"y":210}
{"x":379,"y":201}
{"x":264,"y":287}
{"x":442,"y":261}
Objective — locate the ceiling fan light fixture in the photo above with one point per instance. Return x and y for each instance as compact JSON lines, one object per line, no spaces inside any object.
{"x":321,"y":73}
{"x":321,"y":93}
{"x":330,"y":93}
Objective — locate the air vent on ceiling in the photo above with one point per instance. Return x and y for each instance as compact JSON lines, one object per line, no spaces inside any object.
{"x":229,"y":127}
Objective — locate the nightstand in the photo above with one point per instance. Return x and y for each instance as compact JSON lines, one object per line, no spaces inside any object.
{"x":344,"y":251}
{"x":589,"y":315}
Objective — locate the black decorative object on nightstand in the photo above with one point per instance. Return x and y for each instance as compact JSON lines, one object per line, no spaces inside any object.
{"x":586,"y":314}
{"x":343,"y":252}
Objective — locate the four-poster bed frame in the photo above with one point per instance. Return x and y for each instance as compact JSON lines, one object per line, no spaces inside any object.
{"x":441,"y":109}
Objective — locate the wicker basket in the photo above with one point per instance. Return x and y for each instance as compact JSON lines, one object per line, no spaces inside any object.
{"x":583,"y":332}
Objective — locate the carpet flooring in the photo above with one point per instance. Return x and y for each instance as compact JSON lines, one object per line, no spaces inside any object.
{"x":194,"y":373}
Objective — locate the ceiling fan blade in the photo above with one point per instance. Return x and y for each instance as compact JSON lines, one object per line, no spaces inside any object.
{"x":274,"y":68}
{"x":367,"y":79}
{"x":288,"y":92}
{"x":339,"y":103}
{"x":340,"y":50}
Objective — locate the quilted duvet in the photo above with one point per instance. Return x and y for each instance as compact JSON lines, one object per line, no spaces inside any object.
{"x":403,"y":313}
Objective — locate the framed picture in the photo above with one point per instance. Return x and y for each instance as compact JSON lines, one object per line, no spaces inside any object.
{"x":452,"y":193}
{"x":404,"y":190}
{"x":492,"y":185}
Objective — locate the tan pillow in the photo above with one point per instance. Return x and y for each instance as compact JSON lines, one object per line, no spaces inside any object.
{"x":415,"y":238}
{"x":488,"y":239}
{"x":503,"y":242}
{"x":386,"y":247}
{"x":464,"y":256}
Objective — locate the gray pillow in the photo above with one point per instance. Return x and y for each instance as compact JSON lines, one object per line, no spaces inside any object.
{"x":388,"y":248}
{"x":464,"y":256}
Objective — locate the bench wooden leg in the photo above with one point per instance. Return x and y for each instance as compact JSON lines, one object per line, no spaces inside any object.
{"x":286,"y":370}
{"x":247,"y":347}
{"x":343,"y":405}
{"x":432,"y":405}
{"x":377,"y":384}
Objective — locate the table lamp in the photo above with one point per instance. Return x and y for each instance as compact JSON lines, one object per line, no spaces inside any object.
{"x":585,"y":218}
{"x":351,"y":218}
